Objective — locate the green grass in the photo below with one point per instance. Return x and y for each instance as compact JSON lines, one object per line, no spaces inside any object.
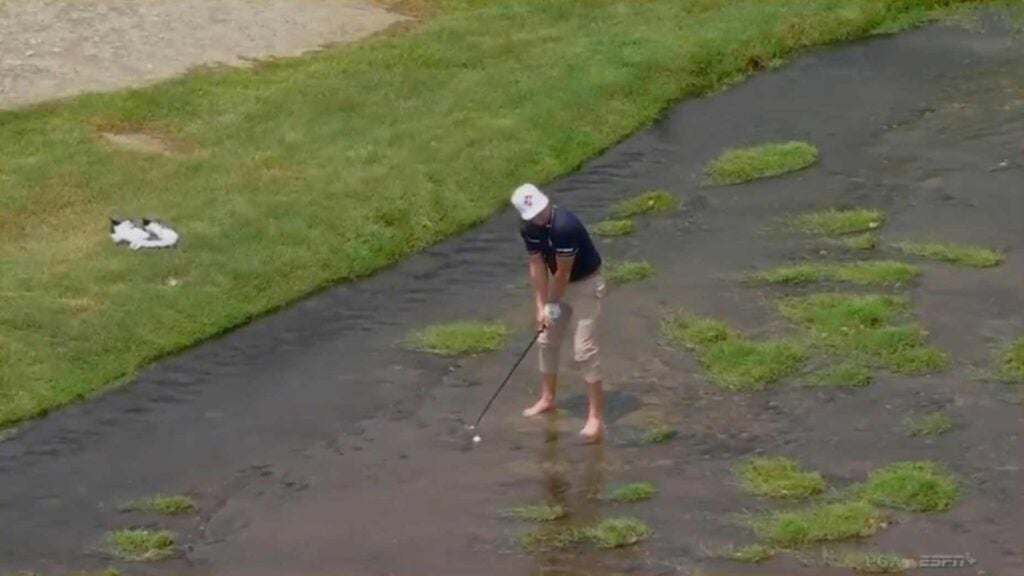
{"x":752,"y":554}
{"x":914,"y":486}
{"x":141,"y":545}
{"x":871,"y":272}
{"x":549,"y":538}
{"x":862,"y":242}
{"x":164,"y":504}
{"x":871,"y":562}
{"x":303,"y":172}
{"x":611,"y":228}
{"x":745,"y":164}
{"x":837,"y":222}
{"x":617,"y":533}
{"x":628,"y":271}
{"x":653,"y":202}
{"x":932,"y":424}
{"x":535,"y":512}
{"x":819,"y":523}
{"x":779,"y":477}
{"x":633,"y":492}
{"x":459,"y":338}
{"x":975,"y":256}
{"x":867,"y":329}
{"x":842,"y":375}
{"x":733,"y":361}
{"x":1010,"y":364}
{"x":658,"y":434}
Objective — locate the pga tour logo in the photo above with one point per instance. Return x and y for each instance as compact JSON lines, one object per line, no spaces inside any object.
{"x":528,"y":200}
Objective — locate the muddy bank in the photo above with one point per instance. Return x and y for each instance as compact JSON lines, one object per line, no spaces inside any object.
{"x":57,"y":48}
{"x":315,"y":445}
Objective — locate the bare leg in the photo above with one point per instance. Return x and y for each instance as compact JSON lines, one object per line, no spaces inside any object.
{"x":548,"y":383}
{"x":593,"y":430}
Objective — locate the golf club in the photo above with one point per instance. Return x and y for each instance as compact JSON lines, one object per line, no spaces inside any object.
{"x":472,"y":427}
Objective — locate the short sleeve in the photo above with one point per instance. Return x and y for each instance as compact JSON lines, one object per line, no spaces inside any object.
{"x":566,"y":238}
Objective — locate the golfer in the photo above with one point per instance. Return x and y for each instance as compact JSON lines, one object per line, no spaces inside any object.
{"x":565,"y":271}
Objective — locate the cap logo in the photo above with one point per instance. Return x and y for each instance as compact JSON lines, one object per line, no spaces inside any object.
{"x":528,"y":200}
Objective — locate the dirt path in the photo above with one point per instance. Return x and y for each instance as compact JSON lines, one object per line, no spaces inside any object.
{"x":315,"y":445}
{"x":55,"y":48}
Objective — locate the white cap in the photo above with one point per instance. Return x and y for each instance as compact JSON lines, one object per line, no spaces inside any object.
{"x":529,"y":201}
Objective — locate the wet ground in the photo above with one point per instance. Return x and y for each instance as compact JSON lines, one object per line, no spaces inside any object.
{"x":316,"y":445}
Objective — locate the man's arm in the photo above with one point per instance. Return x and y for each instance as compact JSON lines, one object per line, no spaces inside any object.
{"x":556,"y":288}
{"x":539,"y":280}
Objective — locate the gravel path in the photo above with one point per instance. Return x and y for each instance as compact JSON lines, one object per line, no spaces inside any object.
{"x":55,"y":48}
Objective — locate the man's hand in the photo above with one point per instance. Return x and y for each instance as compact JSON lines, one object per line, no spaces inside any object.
{"x":552,"y":312}
{"x":541,"y":320}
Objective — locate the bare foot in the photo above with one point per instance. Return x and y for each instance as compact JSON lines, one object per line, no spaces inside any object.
{"x":593,"y":431}
{"x":542,"y":406}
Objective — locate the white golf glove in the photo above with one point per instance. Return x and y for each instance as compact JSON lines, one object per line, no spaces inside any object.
{"x":552,"y":312}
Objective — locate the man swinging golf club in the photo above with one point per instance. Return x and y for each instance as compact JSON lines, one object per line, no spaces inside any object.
{"x":565,"y":271}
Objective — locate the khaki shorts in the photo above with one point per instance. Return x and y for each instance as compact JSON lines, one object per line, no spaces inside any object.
{"x":581,"y":305}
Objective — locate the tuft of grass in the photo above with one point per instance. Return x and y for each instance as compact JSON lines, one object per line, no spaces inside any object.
{"x":863,"y":242}
{"x":614,"y":227}
{"x":752,"y":554}
{"x":731,"y":360}
{"x":866,"y":328}
{"x":773,"y":159}
{"x":932,"y":424}
{"x":976,"y":256}
{"x":819,"y":523}
{"x":652,"y":202}
{"x":837,"y":222}
{"x":618,"y":532}
{"x":170,"y":504}
{"x":659,"y":433}
{"x":628,"y":271}
{"x":779,"y":477}
{"x":1010,"y":365}
{"x":550,"y":538}
{"x":881,"y":272}
{"x":459,"y":338}
{"x":843,"y":375}
{"x":141,"y":545}
{"x":872,"y":562}
{"x":535,"y":512}
{"x":917,"y":486}
{"x":633,"y":492}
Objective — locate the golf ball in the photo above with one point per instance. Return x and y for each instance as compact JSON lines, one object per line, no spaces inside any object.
{"x":477,"y":438}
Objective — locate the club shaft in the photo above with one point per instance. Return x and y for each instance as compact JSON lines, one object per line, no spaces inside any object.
{"x":508,"y":377}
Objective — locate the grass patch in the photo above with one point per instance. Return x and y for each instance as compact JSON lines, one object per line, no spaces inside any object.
{"x":915,"y":486}
{"x":629,"y":271}
{"x":745,"y":164}
{"x":871,"y":562}
{"x":932,"y":424}
{"x":752,"y":554}
{"x":862,"y":242}
{"x":459,"y":338}
{"x":439,"y":123}
{"x":659,"y":434}
{"x":837,"y":222}
{"x":976,"y":256}
{"x":879,"y":272}
{"x":141,"y":545}
{"x":164,"y":504}
{"x":843,"y":375}
{"x":617,"y":533}
{"x":731,"y":360}
{"x":1010,"y":364}
{"x":550,"y":538}
{"x":633,"y":492}
{"x":819,"y":523}
{"x":867,"y":329}
{"x":653,"y":202}
{"x":535,"y":512}
{"x":778,"y":477}
{"x":610,"y":228}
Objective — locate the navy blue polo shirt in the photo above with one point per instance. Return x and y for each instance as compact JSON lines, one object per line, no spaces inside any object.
{"x":564,"y":235}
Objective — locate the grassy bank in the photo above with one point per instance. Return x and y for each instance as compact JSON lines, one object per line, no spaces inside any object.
{"x":310,"y":171}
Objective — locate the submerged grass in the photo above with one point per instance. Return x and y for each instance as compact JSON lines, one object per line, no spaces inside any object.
{"x":843,"y":375}
{"x":633,"y":492}
{"x":752,"y":554}
{"x":877,"y":272}
{"x":611,"y":228}
{"x":169,"y":504}
{"x":618,"y":532}
{"x":867,"y":329}
{"x":652,"y":202}
{"x":535,"y":512}
{"x":1010,"y":365}
{"x":459,"y":338}
{"x":819,"y":523}
{"x":917,"y":486}
{"x":773,"y":159}
{"x":837,"y":222}
{"x":628,"y":271}
{"x":658,"y":434}
{"x":863,"y":242}
{"x":976,"y":256}
{"x":141,"y":545}
{"x":779,"y":477}
{"x":932,"y":424}
{"x":732,"y":361}
{"x":439,"y":123}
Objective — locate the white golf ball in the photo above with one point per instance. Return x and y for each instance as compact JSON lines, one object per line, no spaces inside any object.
{"x":477,"y":438}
